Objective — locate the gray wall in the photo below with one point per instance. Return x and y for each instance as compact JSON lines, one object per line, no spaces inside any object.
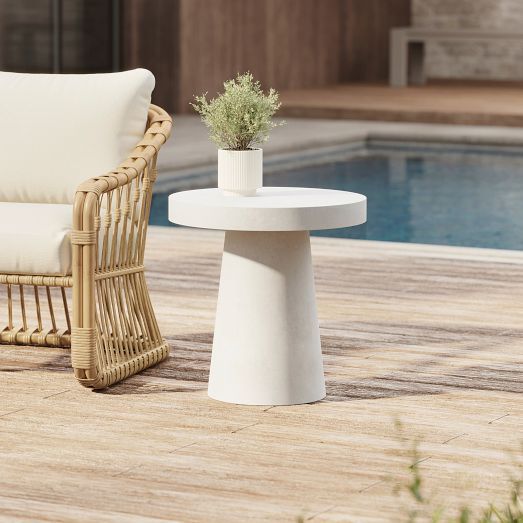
{"x":478,"y":60}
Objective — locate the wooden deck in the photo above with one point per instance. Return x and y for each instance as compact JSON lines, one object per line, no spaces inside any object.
{"x":432,"y":336}
{"x":469,"y":104}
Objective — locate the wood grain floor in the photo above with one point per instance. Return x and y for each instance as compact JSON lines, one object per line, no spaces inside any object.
{"x":431,"y":336}
{"x":500,"y":105}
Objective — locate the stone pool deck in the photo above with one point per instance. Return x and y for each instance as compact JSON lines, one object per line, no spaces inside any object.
{"x":431,"y":336}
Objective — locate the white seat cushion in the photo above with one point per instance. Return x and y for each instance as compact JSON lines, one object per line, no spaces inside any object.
{"x":35,"y":238}
{"x":57,"y":131}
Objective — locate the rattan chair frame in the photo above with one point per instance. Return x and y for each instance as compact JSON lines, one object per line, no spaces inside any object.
{"x":113,"y":333}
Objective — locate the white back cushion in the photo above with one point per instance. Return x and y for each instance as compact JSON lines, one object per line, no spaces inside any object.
{"x":56,"y":131}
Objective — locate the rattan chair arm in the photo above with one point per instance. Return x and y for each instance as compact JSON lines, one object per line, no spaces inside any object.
{"x":93,"y":195}
{"x":110,"y":216}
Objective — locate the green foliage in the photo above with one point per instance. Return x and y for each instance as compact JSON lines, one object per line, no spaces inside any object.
{"x":241,"y":116}
{"x":423,"y":510}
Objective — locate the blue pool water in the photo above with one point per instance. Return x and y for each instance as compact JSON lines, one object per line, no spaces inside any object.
{"x":459,"y":198}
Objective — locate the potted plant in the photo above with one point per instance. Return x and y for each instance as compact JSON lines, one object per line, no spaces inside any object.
{"x":239,"y":119}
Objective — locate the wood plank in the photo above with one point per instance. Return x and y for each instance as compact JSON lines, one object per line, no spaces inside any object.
{"x":193,"y":46}
{"x":426,"y":334}
{"x":285,"y":44}
{"x":150,"y":39}
{"x":499,"y":105}
{"x":303,"y":43}
{"x":218,"y":40}
{"x":366,"y":33}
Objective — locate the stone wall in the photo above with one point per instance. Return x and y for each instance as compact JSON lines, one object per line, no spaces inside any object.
{"x":475,"y":60}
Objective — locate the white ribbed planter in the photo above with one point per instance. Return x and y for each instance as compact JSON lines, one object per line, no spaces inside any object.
{"x":240,"y":172}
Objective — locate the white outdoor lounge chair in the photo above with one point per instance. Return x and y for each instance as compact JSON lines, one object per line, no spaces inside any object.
{"x":78,"y":164}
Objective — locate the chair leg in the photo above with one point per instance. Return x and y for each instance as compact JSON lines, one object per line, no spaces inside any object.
{"x":126,"y":338}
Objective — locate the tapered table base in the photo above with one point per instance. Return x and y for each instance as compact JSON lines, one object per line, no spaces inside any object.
{"x":266,"y":348}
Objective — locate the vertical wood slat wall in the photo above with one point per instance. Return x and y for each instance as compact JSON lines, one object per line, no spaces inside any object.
{"x":366,"y":37}
{"x":285,"y":43}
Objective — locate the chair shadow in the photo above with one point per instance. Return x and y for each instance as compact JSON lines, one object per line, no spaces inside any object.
{"x":187,"y":369}
{"x":430,"y":374}
{"x":55,"y":363}
{"x":182,"y":372}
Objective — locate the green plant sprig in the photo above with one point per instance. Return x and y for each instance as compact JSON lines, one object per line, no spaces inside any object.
{"x":423,"y":510}
{"x":240,"y":117}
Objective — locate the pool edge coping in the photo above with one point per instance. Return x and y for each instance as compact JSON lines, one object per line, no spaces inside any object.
{"x":317,"y":153}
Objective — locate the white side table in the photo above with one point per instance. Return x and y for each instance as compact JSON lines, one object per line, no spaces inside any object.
{"x":266,"y":348}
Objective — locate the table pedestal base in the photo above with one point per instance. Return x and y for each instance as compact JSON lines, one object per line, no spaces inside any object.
{"x":266,"y":348}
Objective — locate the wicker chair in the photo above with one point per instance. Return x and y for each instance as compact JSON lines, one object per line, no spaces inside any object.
{"x":113,"y":333}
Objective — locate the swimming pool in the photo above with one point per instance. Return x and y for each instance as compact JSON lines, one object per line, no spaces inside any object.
{"x":440,"y":197}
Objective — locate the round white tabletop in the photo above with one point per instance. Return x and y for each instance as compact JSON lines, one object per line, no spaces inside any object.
{"x":272,"y":209}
